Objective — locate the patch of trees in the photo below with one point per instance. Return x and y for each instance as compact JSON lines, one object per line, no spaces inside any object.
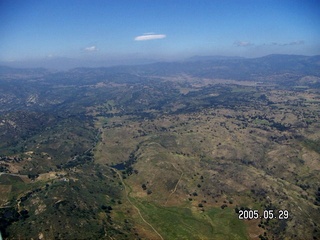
{"x":33,"y":176}
{"x":223,"y":206}
{"x":3,"y":168}
{"x":85,"y":158}
{"x":106,"y":208}
{"x":144,"y":187}
{"x":9,"y":216}
{"x":313,"y":144}
{"x":10,"y":159}
{"x":279,"y":126}
{"x":264,"y":236}
{"x":29,"y":194}
{"x":304,"y":186}
{"x":246,"y":162}
{"x":261,"y":193}
{"x":127,"y":165}
{"x":317,"y":197}
{"x":237,"y":209}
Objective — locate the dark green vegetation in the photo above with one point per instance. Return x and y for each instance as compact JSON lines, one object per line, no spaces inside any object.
{"x":161,"y":151}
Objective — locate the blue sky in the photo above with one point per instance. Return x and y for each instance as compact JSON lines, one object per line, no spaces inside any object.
{"x":157,"y":29}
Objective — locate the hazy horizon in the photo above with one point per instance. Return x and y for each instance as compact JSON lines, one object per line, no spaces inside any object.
{"x":63,"y":63}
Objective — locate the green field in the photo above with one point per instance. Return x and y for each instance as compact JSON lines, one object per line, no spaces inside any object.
{"x":183,"y":223}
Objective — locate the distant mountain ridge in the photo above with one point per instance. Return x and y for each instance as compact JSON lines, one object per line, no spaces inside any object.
{"x":215,"y":57}
{"x":238,"y":68}
{"x":64,"y":63}
{"x":203,"y":66}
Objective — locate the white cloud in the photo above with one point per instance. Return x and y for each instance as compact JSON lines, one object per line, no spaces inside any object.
{"x":91,"y":49}
{"x":243,"y":44}
{"x":149,"y":36}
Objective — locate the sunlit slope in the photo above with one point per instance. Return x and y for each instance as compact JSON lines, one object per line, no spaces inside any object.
{"x":188,"y":166}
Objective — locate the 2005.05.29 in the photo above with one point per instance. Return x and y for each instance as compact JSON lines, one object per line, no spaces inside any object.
{"x":266,"y":214}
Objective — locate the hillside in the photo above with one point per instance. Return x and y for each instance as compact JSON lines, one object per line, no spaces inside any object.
{"x":179,"y":150}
